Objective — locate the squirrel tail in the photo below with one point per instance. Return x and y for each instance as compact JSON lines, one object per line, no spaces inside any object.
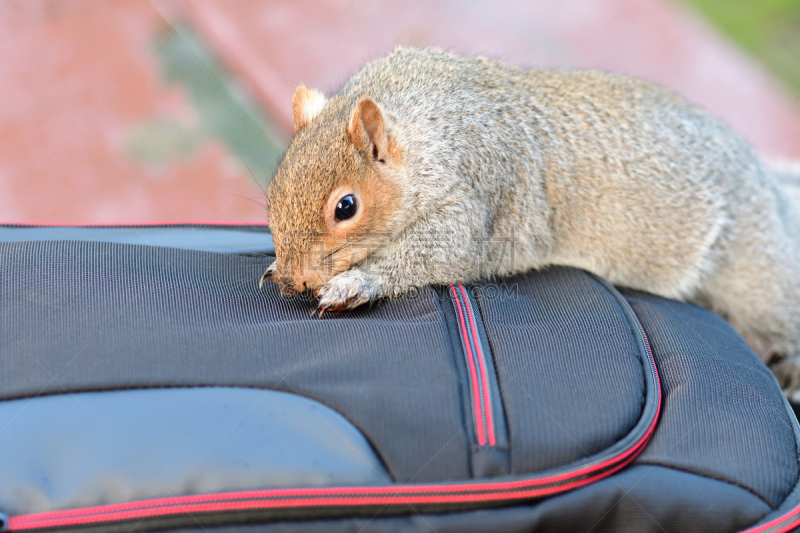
{"x":786,"y":170}
{"x":786,"y":173}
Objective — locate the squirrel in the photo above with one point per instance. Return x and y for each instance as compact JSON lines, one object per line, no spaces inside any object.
{"x":428,"y":167}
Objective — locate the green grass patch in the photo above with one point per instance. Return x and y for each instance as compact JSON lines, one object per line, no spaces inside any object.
{"x":768,"y":29}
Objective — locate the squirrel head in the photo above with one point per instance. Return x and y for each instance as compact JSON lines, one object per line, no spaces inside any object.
{"x":336,"y":197}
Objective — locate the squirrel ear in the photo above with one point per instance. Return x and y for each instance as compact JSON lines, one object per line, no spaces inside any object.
{"x":367,"y":130}
{"x":306,"y":106}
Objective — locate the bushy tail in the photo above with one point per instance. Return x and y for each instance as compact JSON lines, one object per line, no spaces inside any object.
{"x":788,"y":168}
{"x":786,"y":173}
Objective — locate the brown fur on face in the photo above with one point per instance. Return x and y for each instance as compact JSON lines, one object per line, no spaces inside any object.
{"x":359,"y":157}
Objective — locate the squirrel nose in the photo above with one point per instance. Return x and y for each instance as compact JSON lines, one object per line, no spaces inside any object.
{"x":305,"y":280}
{"x":298,"y":284}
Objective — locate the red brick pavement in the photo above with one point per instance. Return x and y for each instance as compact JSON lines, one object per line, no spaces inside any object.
{"x":76,"y":75}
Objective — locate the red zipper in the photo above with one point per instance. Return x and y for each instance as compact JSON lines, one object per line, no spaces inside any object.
{"x":782,"y":524}
{"x":335,"y":497}
{"x":476,"y":365}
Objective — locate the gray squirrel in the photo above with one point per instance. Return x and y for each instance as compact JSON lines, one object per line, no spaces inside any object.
{"x":426,"y":165}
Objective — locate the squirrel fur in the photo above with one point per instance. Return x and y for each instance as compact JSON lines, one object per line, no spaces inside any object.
{"x":465,"y":169}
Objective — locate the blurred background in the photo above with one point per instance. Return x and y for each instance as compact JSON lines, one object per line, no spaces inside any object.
{"x":132,"y":111}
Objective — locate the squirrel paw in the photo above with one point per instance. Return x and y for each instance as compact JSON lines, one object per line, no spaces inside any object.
{"x":345,"y":291}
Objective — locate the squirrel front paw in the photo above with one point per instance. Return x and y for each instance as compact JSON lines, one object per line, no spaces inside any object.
{"x":346,"y":291}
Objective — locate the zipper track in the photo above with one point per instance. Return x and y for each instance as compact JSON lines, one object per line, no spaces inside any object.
{"x":476,"y":364}
{"x":783,"y":524}
{"x":362,"y":500}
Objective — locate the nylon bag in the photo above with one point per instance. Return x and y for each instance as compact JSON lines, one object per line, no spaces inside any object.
{"x":146,"y":383}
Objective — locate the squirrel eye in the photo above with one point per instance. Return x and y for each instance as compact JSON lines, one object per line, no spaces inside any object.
{"x":346,"y":207}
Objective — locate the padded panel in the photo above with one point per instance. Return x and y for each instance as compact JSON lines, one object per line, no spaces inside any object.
{"x":84,"y":449}
{"x":723,"y":416}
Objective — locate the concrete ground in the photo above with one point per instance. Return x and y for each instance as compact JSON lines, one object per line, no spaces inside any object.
{"x":146,"y":110}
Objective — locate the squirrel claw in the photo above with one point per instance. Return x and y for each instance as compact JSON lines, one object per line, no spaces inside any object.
{"x":345,"y":291}
{"x":268,"y":273}
{"x":328,"y":309}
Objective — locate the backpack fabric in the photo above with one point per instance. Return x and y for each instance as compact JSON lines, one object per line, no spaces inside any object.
{"x":147,"y":383}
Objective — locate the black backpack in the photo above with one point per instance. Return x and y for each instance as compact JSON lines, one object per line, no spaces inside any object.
{"x":147,"y":383}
